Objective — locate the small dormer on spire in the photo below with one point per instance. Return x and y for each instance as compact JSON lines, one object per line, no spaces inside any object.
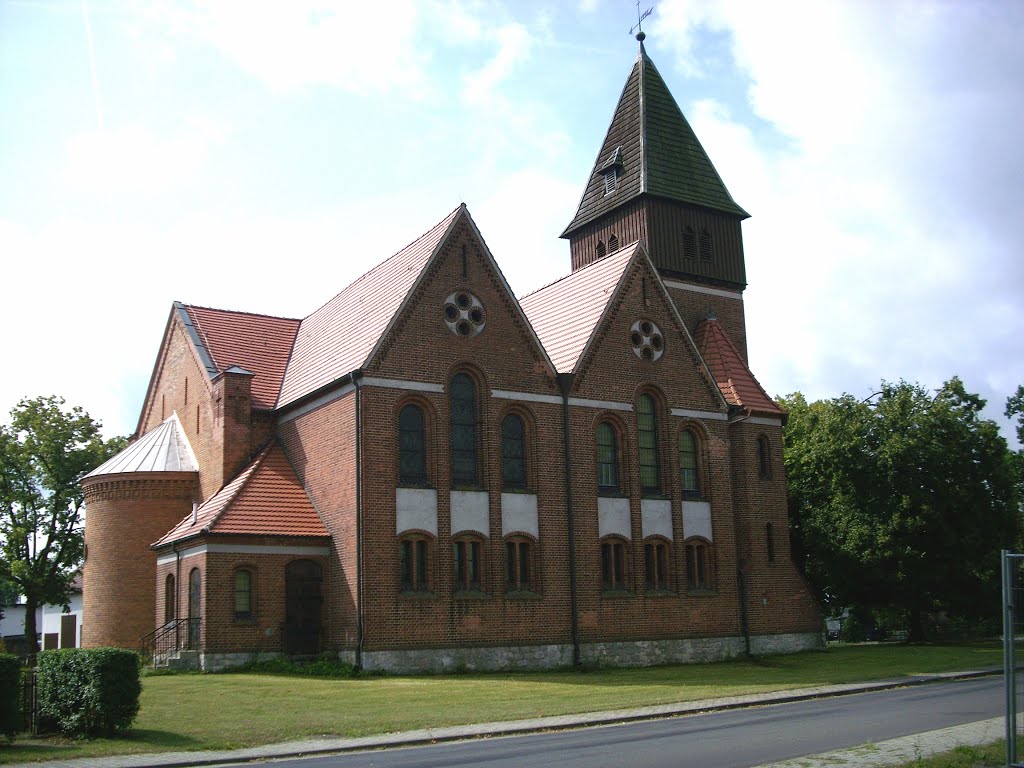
{"x":611,"y":170}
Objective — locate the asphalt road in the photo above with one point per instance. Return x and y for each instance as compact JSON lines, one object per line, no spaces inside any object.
{"x":734,"y":739}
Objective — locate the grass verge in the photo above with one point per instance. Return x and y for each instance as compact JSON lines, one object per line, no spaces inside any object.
{"x":193,"y":711}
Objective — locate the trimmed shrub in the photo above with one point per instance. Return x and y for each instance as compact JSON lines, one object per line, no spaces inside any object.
{"x":10,"y":695}
{"x":89,"y":691}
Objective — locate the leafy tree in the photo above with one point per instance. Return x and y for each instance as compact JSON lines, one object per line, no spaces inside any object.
{"x":901,"y":500}
{"x":44,"y":452}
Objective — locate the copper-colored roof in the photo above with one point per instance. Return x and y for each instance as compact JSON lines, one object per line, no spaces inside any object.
{"x":340,"y":336}
{"x":266,"y":499}
{"x":733,"y":377}
{"x":259,"y":343}
{"x":565,"y":313}
{"x":165,"y":448}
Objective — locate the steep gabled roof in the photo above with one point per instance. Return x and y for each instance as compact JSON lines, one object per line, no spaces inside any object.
{"x":265,"y":499}
{"x":340,"y":336}
{"x":165,"y":448}
{"x":654,"y":151}
{"x":731,"y":374}
{"x":565,"y":313}
{"x":258,"y":343}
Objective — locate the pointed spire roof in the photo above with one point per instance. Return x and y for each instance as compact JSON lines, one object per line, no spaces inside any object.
{"x":265,"y":499}
{"x":731,"y":374}
{"x":165,"y":448}
{"x":653,"y":150}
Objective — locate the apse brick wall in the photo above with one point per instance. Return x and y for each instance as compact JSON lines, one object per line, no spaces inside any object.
{"x":124,"y":515}
{"x":321,"y":448}
{"x":779,"y":598}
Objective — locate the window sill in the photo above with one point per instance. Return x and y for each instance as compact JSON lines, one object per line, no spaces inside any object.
{"x":523,"y":594}
{"x":701,"y":592}
{"x":417,"y":486}
{"x":247,"y":618}
{"x":416,"y":595}
{"x":470,"y":594}
{"x":467,"y":487}
{"x":660,"y":593}
{"x":693,"y":496}
{"x":654,"y":496}
{"x":520,"y":489}
{"x":611,"y":494}
{"x":616,"y":594}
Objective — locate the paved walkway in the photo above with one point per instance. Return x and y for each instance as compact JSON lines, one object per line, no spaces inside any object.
{"x":884,"y":753}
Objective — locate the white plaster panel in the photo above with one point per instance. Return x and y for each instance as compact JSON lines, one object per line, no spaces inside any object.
{"x":519,"y":513}
{"x":415,"y":510}
{"x":470,"y":512}
{"x":613,"y":517}
{"x":656,"y":517}
{"x":697,"y":519}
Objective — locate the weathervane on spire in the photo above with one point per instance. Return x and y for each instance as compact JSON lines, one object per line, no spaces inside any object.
{"x":639,"y":21}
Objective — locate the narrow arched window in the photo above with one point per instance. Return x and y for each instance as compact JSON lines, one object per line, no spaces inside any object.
{"x":414,"y":560}
{"x":463,"y":418}
{"x":689,"y":478}
{"x":698,"y":565}
{"x":519,"y":565}
{"x":689,"y":243}
{"x":170,"y":600}
{"x":705,"y":245}
{"x":613,"y":564}
{"x":769,"y":541}
{"x":412,"y":454}
{"x":764,"y":463}
{"x":613,"y":244}
{"x":243,"y":594}
{"x":656,"y":565}
{"x":513,"y":452}
{"x":607,"y":459}
{"x":647,"y":426}
{"x":468,"y":563}
{"x":600,"y":249}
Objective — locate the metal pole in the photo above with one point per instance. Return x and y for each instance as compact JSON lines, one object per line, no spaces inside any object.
{"x":1009,"y":664}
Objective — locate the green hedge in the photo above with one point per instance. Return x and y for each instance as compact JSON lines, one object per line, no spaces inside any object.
{"x":89,"y":691}
{"x":10,"y":695}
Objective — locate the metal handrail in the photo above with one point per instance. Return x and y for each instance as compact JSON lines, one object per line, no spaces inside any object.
{"x":176,"y":635}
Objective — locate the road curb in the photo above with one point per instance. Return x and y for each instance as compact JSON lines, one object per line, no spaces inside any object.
{"x":340,"y":745}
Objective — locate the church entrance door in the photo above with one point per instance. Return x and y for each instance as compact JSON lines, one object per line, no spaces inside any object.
{"x":302,"y":580}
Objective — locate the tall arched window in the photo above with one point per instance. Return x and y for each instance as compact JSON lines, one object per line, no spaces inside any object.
{"x":519,"y":565}
{"x":463,"y":417}
{"x":698,"y":564}
{"x":689,"y":477}
{"x":170,"y":599}
{"x":243,"y":594}
{"x":607,"y":459}
{"x":647,"y":426}
{"x":513,"y":452}
{"x":656,"y":564}
{"x":613,"y":564}
{"x":468,"y":563}
{"x":764,"y":462}
{"x":414,"y":562}
{"x":412,"y":454}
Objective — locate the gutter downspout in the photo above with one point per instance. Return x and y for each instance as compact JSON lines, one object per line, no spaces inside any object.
{"x":356,"y":377}
{"x":565,"y":384}
{"x":740,"y":531}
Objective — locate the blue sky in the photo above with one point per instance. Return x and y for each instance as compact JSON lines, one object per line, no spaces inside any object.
{"x":258,"y":156}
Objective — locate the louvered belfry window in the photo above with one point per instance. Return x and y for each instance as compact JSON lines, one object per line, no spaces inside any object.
{"x":611,"y":180}
{"x":613,"y":244}
{"x":705,"y":245}
{"x":462,"y":404}
{"x":689,"y":243}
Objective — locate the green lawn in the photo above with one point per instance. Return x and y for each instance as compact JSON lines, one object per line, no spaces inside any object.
{"x":192,"y":711}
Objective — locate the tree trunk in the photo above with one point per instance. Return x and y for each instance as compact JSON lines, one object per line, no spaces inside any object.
{"x":31,"y":641}
{"x":916,"y":630}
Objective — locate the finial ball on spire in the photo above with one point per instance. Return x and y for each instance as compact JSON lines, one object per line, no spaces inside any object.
{"x":641,"y":36}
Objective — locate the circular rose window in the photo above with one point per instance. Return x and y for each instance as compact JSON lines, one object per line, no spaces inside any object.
{"x":647,"y":340}
{"x":464,"y":314}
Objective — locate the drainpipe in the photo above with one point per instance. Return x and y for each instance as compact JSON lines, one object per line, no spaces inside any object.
{"x":356,"y":377}
{"x":565,"y":384}
{"x":744,"y":626}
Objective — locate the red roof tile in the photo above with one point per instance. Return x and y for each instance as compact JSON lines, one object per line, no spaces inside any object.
{"x":733,"y":377}
{"x":341,"y":335}
{"x":259,"y":343}
{"x":266,"y":499}
{"x":565,"y":313}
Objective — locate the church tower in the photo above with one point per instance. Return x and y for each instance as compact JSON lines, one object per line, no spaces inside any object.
{"x":653,"y":181}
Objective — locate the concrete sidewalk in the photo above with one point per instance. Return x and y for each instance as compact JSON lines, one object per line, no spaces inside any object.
{"x":861,"y":757}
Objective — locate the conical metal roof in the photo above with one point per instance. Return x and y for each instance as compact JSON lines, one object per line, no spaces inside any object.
{"x":162,"y":449}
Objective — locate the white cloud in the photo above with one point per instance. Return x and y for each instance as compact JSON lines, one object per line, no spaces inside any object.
{"x":514,"y":44}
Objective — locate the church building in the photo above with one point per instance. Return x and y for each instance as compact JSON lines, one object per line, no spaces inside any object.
{"x":429,"y":473}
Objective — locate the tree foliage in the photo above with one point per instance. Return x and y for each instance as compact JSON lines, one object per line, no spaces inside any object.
{"x":44,"y":451}
{"x":902,"y":500}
